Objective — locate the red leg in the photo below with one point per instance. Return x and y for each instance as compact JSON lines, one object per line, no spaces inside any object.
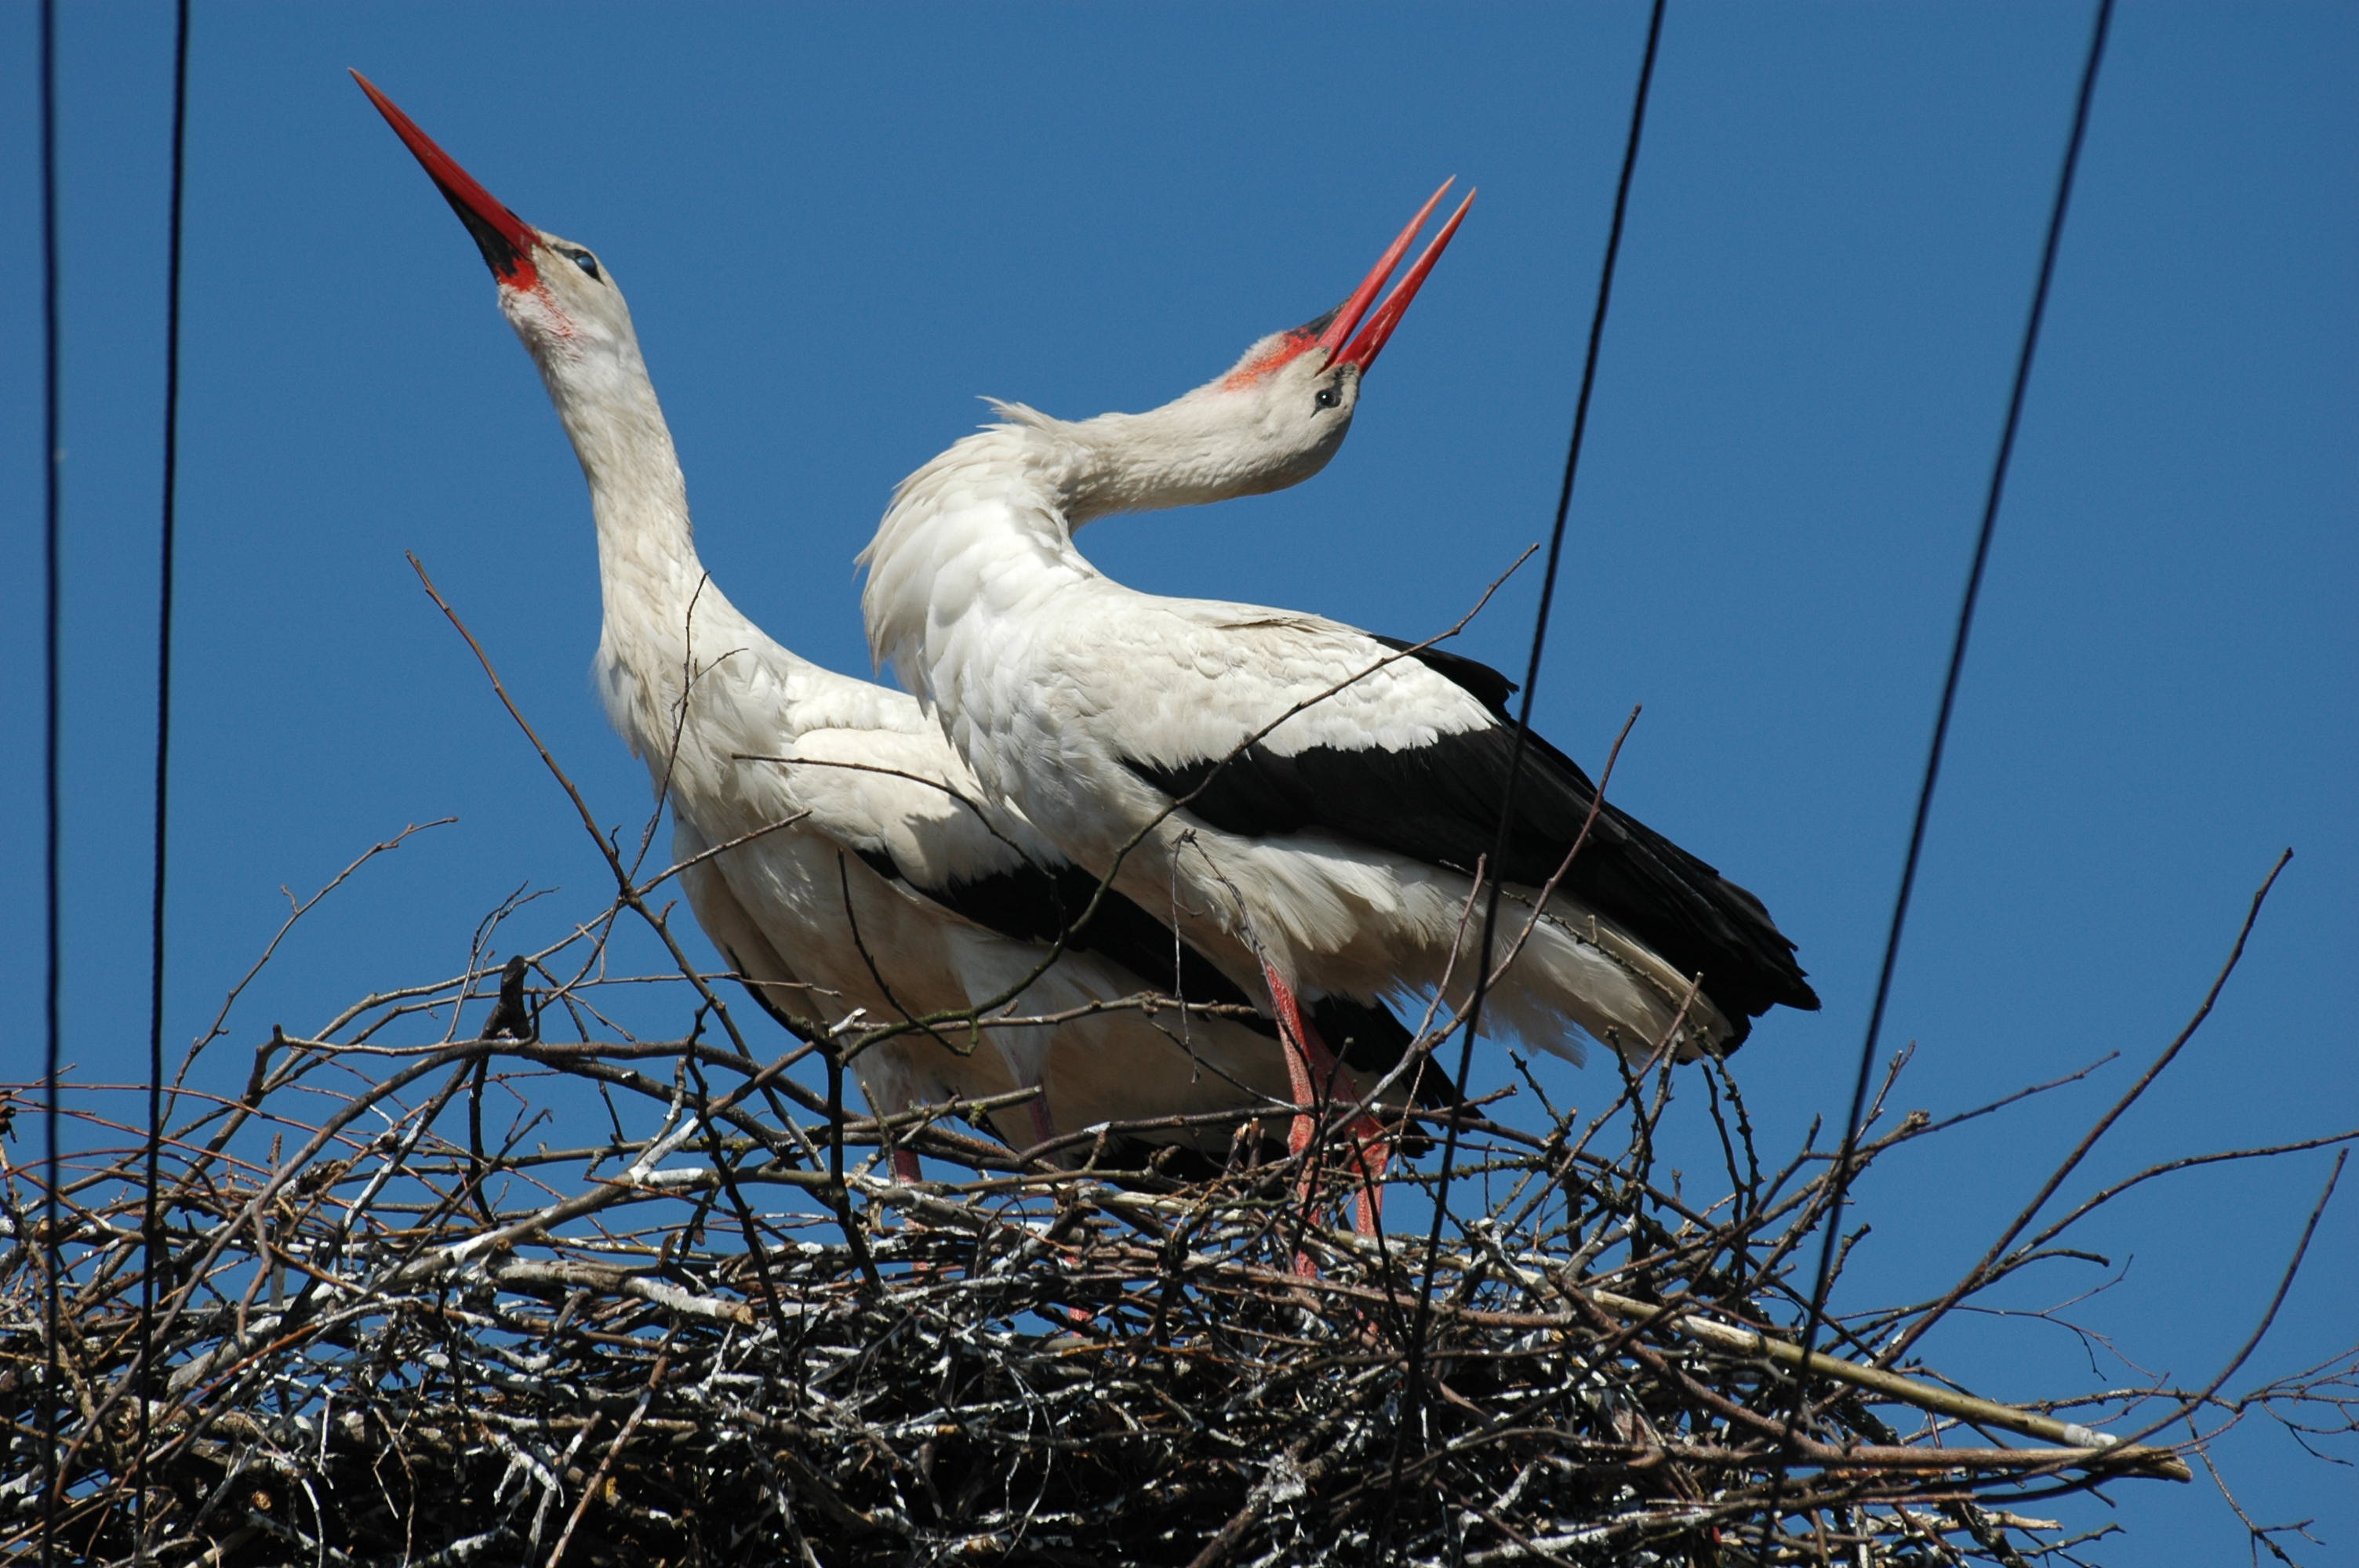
{"x":1310,"y":1062}
{"x":905,"y":1167}
{"x":1295,"y":1037}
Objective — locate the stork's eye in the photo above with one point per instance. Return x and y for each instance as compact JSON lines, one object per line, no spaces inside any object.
{"x":1329,"y":395}
{"x":587,"y":263}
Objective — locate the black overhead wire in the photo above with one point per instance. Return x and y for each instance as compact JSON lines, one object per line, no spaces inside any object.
{"x":51,"y":1166}
{"x":151,"y":1227}
{"x":1422,"y":1318}
{"x":1848,"y":1152}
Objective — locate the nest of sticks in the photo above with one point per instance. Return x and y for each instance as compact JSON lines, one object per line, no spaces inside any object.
{"x":332,"y":1318}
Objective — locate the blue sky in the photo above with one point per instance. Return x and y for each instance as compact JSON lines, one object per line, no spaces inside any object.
{"x":838,"y":227}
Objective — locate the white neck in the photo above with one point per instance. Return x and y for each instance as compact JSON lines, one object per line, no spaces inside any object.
{"x":985,"y":525}
{"x":988,"y":526}
{"x":665,"y":621}
{"x":646,"y":548}
{"x":1144,"y":462}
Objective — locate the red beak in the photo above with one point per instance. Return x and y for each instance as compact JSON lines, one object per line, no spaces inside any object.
{"x":505,"y":240}
{"x":1338,"y":329}
{"x":1363,"y":349}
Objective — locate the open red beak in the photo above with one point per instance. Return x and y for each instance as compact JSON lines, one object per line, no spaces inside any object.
{"x":505,"y":240}
{"x":1340,"y":346}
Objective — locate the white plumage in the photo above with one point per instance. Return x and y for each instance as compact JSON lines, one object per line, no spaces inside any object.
{"x":1312,"y":800}
{"x":873,"y":870}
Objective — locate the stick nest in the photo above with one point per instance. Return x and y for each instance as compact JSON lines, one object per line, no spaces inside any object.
{"x":353,"y":1329}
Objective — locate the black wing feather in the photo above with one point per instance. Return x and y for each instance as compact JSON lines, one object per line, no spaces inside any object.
{"x":1439,"y":804}
{"x":1478,"y":680}
{"x":1033,"y":904}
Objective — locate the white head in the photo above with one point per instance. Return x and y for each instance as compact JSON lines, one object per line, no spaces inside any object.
{"x":557,"y":295}
{"x":1271,"y":420}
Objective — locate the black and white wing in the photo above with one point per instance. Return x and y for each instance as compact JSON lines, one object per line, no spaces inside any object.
{"x":1414,"y":759}
{"x":907,"y":806}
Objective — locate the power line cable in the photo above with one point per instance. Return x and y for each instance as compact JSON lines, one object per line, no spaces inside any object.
{"x":1423,"y":1315}
{"x":1850,"y":1147}
{"x":52,"y":799}
{"x":151,"y":1229}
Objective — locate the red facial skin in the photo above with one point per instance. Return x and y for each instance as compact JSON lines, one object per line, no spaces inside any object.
{"x":1331,"y":333}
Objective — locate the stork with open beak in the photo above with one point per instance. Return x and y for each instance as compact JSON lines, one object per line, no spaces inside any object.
{"x":863,"y":874}
{"x":1314,"y":802}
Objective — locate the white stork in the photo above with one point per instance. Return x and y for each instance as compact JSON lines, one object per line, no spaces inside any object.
{"x":863,"y":871}
{"x":1312,"y":800}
